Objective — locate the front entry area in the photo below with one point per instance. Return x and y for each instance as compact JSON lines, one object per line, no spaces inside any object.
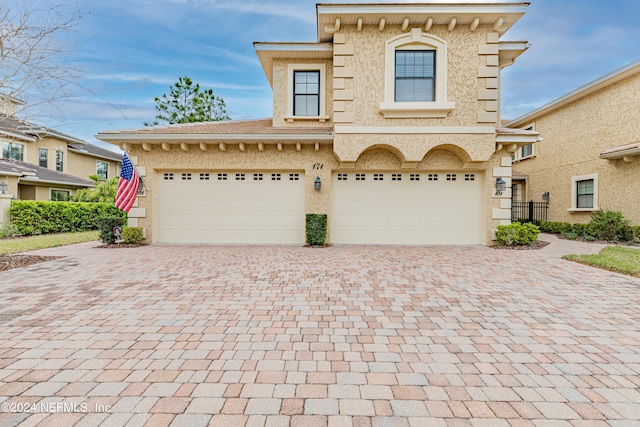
{"x":382,"y":207}
{"x":227,"y":207}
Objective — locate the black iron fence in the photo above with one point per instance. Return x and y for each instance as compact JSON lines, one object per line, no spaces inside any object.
{"x":529,"y":211}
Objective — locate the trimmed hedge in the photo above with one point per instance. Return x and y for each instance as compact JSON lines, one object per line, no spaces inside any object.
{"x":516,"y":234}
{"x":132,"y":235}
{"x":41,"y":217}
{"x":316,"y":229}
{"x":604,"y":225}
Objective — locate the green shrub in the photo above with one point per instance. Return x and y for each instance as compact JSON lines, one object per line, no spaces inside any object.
{"x":8,"y":230}
{"x":570,"y":235}
{"x":106,"y":226}
{"x":635,"y":229}
{"x":589,"y":238}
{"x":132,"y":234}
{"x":316,"y":229}
{"x":580,"y":230}
{"x":555,"y":227}
{"x":609,"y":225}
{"x":42,"y":217}
{"x":517,"y":234}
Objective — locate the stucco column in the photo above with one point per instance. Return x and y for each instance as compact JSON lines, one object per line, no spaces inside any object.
{"x":5,"y":203}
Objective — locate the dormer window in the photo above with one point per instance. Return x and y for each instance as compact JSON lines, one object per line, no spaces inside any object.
{"x":415,"y":84}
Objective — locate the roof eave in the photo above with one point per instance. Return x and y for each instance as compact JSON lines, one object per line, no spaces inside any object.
{"x":193,"y":138}
{"x":37,"y":180}
{"x":620,"y":154}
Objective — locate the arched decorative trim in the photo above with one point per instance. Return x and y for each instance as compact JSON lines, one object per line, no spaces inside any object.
{"x":456,"y":150}
{"x":391,"y":149}
{"x":416,"y":39}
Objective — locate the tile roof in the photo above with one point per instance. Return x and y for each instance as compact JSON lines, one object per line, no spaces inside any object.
{"x":233,"y":127}
{"x":34,"y":173}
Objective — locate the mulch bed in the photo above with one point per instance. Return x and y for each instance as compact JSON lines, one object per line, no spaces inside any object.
{"x":537,"y":244}
{"x":7,"y":262}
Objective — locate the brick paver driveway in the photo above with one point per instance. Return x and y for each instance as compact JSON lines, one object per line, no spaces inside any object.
{"x":340,"y":336}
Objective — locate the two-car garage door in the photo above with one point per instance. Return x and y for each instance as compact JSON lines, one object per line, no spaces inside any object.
{"x":230,"y":207}
{"x":366,"y":207}
{"x":406,"y":208}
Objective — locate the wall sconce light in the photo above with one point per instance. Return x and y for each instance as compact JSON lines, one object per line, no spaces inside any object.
{"x":501,"y":185}
{"x":317,"y":184}
{"x":3,"y":187}
{"x":545,"y":196}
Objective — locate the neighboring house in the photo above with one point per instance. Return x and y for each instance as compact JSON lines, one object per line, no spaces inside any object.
{"x":27,"y":181}
{"x":589,"y":158}
{"x":43,"y":158}
{"x":388,"y":124}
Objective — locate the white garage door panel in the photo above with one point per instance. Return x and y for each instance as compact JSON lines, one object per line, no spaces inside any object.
{"x":405,"y":211}
{"x":230,"y":211}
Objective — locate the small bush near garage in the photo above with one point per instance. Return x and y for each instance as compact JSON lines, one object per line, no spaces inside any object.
{"x":132,"y":235}
{"x":30,"y":217}
{"x":610,"y":225}
{"x":556,"y":227}
{"x":316,"y":229}
{"x":517,"y":234}
{"x":107,"y":224}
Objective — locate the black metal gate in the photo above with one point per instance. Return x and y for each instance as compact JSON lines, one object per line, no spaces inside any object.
{"x":529,"y":211}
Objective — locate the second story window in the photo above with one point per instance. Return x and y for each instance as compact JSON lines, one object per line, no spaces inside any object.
{"x":59,"y":161}
{"x":43,"y":157}
{"x":306,"y":93}
{"x":415,"y":75}
{"x":12,"y":151}
{"x":102,"y":169}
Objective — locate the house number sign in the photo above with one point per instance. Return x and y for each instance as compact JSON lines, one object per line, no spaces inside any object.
{"x":317,"y":166}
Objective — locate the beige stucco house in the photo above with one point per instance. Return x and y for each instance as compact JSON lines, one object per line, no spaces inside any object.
{"x":40,"y":163}
{"x":388,"y":123}
{"x":589,"y":158}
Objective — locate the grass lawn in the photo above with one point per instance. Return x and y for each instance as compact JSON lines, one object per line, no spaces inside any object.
{"x":614,"y":258}
{"x":30,"y":243}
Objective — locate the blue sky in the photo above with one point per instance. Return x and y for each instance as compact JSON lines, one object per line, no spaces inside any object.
{"x":132,"y":50}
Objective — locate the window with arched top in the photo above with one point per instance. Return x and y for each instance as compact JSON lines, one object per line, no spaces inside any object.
{"x":415,"y":77}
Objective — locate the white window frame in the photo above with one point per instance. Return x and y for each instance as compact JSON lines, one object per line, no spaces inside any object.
{"x":518,"y":156}
{"x":11,"y":143}
{"x":416,"y":40}
{"x":574,"y":193}
{"x":106,"y":163}
{"x":322,"y":68}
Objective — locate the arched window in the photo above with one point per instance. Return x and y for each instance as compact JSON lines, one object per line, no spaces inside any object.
{"x":415,"y":83}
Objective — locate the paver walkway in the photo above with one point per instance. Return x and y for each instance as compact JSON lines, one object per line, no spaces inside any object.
{"x":341,"y":336}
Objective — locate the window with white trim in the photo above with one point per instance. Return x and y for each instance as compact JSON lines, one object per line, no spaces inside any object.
{"x":306,"y":92}
{"x":584,"y":193}
{"x":11,"y":150}
{"x":102,"y":169}
{"x":415,"y":82}
{"x":43,"y":157}
{"x":525,"y":151}
{"x":60,"y":161}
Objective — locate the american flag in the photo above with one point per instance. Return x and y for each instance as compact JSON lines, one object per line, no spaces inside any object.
{"x":127,"y":185}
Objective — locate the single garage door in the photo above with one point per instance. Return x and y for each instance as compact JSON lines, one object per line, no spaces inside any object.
{"x":230,"y":207}
{"x":406,"y":208}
